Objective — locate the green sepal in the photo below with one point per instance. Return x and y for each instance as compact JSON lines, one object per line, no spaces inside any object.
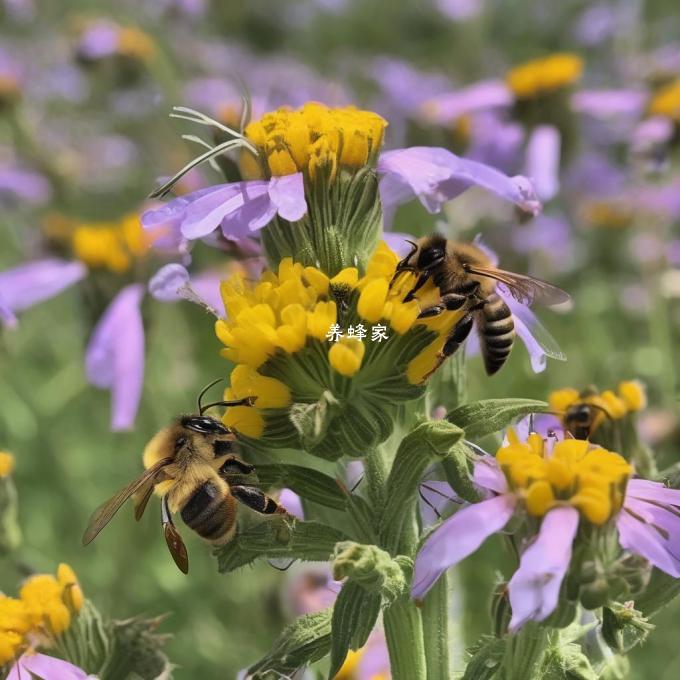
{"x":136,"y":651}
{"x":10,"y":533}
{"x":485,"y":658}
{"x":487,"y":416}
{"x":426,"y":443}
{"x":279,"y":538}
{"x":308,"y":483}
{"x":304,"y":641}
{"x":458,"y":469}
{"x":375,"y":570}
{"x":624,"y":627}
{"x":87,"y":643}
{"x":354,"y":616}
{"x":567,"y":662}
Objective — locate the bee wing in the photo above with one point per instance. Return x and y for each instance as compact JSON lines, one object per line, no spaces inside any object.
{"x":538,"y":331}
{"x":105,"y":512}
{"x":176,"y":547}
{"x":141,"y":498}
{"x":525,"y":289}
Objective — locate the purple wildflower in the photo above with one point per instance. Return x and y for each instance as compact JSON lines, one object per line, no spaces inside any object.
{"x":48,"y":667}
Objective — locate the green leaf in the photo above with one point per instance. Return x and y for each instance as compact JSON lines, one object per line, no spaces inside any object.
{"x":306,"y":482}
{"x":304,"y":641}
{"x":487,"y":416}
{"x":279,"y":538}
{"x":457,"y":469}
{"x":354,"y":616}
{"x":426,"y":443}
{"x":362,"y":516}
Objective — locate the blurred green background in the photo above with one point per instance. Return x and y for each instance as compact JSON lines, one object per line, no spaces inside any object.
{"x":58,"y":427}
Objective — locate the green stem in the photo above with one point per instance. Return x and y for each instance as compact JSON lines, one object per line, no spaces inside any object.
{"x":404,"y":632}
{"x":375,"y":468}
{"x":436,"y":635}
{"x":524,"y":653}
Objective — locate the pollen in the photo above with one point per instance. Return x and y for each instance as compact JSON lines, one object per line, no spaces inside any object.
{"x":6,"y":464}
{"x":575,"y":473}
{"x":548,"y":74}
{"x":316,"y":138}
{"x":666,"y":102}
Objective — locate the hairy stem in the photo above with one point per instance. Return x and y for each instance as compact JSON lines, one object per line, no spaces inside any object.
{"x":435,"y":616}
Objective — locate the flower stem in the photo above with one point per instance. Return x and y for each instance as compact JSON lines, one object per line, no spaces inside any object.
{"x":524,"y":653}
{"x":435,"y":616}
{"x":404,"y":632}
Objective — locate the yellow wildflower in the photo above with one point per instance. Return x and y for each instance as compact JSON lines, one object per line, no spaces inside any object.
{"x":6,"y":464}
{"x":547,"y":74}
{"x":575,"y":473}
{"x":316,"y":137}
{"x":666,"y":102}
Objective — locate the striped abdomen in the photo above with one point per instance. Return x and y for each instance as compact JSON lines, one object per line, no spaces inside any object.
{"x":496,"y":331}
{"x":211,"y":513}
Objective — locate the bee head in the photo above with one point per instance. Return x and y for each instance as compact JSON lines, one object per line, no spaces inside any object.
{"x":203,"y":425}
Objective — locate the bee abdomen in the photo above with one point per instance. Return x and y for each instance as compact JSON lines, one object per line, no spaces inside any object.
{"x":496,"y":330}
{"x":210,"y":512}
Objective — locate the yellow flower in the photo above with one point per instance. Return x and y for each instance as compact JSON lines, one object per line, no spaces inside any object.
{"x":10,"y":646}
{"x":666,"y":102}
{"x":544,"y":75}
{"x":633,"y":394}
{"x":316,"y":137}
{"x":574,"y":473}
{"x":42,"y":595}
{"x":111,"y":245}
{"x":346,"y":355}
{"x":6,"y":464}
{"x":135,"y":44}
{"x":72,"y":594}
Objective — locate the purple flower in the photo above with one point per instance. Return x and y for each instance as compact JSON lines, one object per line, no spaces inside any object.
{"x":445,"y":109}
{"x":543,"y":161}
{"x":34,"y":282}
{"x":648,"y":524}
{"x":46,"y":667}
{"x":99,"y":40}
{"x":292,"y":502}
{"x":240,"y":208}
{"x":435,"y":176}
{"x":24,"y":185}
{"x":114,"y":358}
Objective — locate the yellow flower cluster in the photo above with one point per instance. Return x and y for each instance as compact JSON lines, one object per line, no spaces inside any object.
{"x":42,"y":611}
{"x":575,"y":473}
{"x":135,"y":44}
{"x":6,"y":464}
{"x":111,"y":245}
{"x":540,"y":76}
{"x":666,"y":102}
{"x":283,"y":311}
{"x":629,"y":397}
{"x":316,"y":136}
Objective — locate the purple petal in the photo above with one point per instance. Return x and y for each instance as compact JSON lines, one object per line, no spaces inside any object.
{"x":436,"y":175}
{"x":644,"y":540}
{"x":207,"y":288}
{"x":543,"y":161}
{"x":488,"y":475}
{"x":166,"y":283}
{"x":435,"y":495}
{"x":33,"y":282}
{"x":398,"y":242}
{"x":253,"y":214}
{"x":458,"y":537}
{"x":653,"y":491}
{"x":292,"y":502}
{"x":46,"y":668}
{"x":24,"y":185}
{"x":287,"y":193}
{"x":115,"y":355}
{"x":610,"y":103}
{"x":447,"y":108}
{"x":206,"y":213}
{"x":535,"y":587}
{"x":664,"y":520}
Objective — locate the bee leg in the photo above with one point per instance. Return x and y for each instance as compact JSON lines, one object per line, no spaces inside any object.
{"x":456,"y":338}
{"x":173,"y":539}
{"x":422,"y":280}
{"x":256,"y":500}
{"x":449,"y":302}
{"x":233,"y":465}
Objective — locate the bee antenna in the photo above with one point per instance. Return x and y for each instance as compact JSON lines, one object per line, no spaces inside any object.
{"x":202,"y":394}
{"x":246,"y":401}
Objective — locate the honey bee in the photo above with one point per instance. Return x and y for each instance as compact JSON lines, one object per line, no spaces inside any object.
{"x":582,"y":418}
{"x":192,"y":466}
{"x":466,"y":279}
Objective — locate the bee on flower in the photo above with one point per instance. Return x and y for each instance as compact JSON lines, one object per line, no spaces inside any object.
{"x":581,"y":516}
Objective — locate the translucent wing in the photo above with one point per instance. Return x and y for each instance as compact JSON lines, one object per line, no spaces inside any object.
{"x":525,"y":289}
{"x":531,"y":329}
{"x":105,"y":512}
{"x":141,"y":498}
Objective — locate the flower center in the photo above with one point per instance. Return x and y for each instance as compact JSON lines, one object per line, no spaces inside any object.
{"x":344,"y":322}
{"x":666,"y":102}
{"x":113,"y":246}
{"x":540,"y":76}
{"x":316,"y":137}
{"x":576,"y":473}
